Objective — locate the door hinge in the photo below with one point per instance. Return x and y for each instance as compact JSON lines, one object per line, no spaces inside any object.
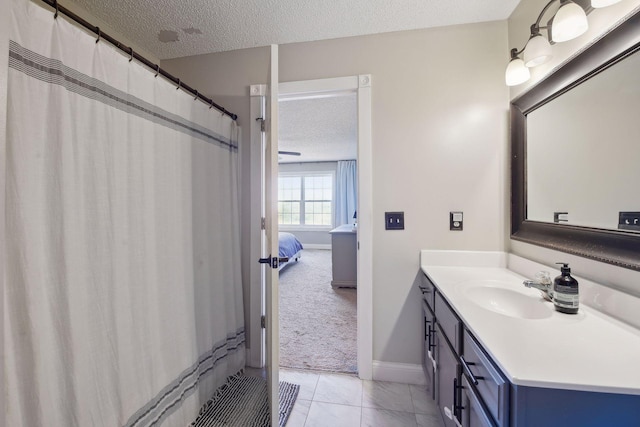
{"x":261,"y":119}
{"x":263,"y":322}
{"x":263,"y":223}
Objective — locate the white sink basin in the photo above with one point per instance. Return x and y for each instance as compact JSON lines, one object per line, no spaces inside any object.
{"x":508,"y":302}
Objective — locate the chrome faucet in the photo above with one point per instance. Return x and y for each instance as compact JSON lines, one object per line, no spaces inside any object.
{"x":541,"y":281}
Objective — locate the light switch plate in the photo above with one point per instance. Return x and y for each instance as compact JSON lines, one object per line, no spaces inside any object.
{"x":455,"y":221}
{"x":629,"y":221}
{"x":394,"y":220}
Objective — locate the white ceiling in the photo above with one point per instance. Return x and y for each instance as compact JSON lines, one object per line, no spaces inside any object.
{"x":206,"y":26}
{"x":320,"y":129}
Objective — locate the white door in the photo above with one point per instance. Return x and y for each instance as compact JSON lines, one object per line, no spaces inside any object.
{"x":270,"y":235}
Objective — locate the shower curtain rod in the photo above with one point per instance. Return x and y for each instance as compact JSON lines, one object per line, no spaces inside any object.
{"x":129,"y":51}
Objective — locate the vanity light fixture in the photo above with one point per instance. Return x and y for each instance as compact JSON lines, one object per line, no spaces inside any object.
{"x":568,"y":22}
{"x":517,"y":72}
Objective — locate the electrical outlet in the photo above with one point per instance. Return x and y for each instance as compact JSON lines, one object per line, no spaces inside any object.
{"x":394,"y":220}
{"x":455,"y":221}
{"x":629,"y":221}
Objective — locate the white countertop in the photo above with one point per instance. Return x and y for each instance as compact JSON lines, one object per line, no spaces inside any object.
{"x":589,"y":351}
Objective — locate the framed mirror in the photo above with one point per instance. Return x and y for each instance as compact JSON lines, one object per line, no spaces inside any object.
{"x":569,"y":140}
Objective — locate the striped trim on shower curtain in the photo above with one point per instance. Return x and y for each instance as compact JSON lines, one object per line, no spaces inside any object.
{"x":55,"y":72}
{"x":153,"y":412}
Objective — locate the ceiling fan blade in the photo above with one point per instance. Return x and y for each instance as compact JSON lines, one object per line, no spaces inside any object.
{"x":289,"y":153}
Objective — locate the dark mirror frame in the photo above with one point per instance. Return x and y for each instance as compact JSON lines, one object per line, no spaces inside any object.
{"x":618,"y":247}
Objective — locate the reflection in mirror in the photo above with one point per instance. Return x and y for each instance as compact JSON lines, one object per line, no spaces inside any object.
{"x":581,"y":171}
{"x":583,"y":152}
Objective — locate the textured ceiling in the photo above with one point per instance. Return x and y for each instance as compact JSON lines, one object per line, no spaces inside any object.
{"x":206,"y":26}
{"x":320,"y":129}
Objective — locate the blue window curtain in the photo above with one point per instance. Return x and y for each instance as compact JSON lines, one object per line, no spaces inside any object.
{"x":346,"y":201}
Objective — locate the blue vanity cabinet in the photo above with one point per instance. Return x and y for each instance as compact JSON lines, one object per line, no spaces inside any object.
{"x":471,"y":391}
{"x":544,"y":407}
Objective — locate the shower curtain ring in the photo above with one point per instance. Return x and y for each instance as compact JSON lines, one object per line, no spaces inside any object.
{"x":224,"y":111}
{"x":157,"y":70}
{"x":211,"y":105}
{"x":179,"y":84}
{"x":131,"y":57}
{"x":99,"y":34}
{"x":197,"y":95}
{"x":55,"y":4}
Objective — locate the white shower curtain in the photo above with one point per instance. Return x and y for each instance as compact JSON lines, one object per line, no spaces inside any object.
{"x":123,"y":302}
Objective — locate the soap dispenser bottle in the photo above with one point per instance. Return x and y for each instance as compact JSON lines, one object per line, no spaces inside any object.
{"x":565,"y":291}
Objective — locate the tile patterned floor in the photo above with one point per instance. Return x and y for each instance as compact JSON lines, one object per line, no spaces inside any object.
{"x":337,"y":400}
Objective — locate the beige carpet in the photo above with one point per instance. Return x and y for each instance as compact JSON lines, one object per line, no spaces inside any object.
{"x":317,"y":322}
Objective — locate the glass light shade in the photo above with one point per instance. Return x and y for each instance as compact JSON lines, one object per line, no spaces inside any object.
{"x":537,"y":51}
{"x":603,"y":3}
{"x":569,"y":22}
{"x":516,"y":72}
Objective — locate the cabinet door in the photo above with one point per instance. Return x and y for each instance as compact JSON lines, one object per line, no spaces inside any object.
{"x":447,"y":373}
{"x":473,"y":412}
{"x":491,"y":385}
{"x":428,"y":349}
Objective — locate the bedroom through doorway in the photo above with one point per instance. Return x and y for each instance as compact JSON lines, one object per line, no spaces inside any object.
{"x":317,"y":216}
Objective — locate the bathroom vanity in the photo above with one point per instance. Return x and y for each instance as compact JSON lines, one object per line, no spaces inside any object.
{"x":497,"y":354}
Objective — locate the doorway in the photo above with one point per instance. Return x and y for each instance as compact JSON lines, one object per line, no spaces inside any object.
{"x":361,"y":87}
{"x":317,"y":207}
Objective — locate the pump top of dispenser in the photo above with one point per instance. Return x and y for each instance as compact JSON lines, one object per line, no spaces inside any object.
{"x":565,"y":268}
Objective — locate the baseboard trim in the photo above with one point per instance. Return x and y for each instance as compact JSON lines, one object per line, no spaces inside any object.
{"x":406,"y":373}
{"x":316,"y":246}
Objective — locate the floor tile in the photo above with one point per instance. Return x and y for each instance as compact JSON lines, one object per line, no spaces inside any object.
{"x":337,"y":388}
{"x":299,"y":413}
{"x":387,"y":395}
{"x":306,"y":380}
{"x":372,"y":417}
{"x":323,"y":414}
{"x":429,"y":420}
{"x":422,"y":401}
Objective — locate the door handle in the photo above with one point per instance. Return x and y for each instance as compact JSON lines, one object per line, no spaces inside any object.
{"x":466,"y":367}
{"x":274,"y":262}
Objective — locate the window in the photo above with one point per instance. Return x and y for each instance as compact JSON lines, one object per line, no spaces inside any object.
{"x":305,"y":199}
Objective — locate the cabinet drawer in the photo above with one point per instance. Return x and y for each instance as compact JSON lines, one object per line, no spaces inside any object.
{"x":492,"y":387}
{"x":428,"y":289}
{"x":448,"y":321}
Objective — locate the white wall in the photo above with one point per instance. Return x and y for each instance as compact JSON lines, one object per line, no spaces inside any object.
{"x":600,"y":21}
{"x":440,"y":110}
{"x":439,"y":145}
